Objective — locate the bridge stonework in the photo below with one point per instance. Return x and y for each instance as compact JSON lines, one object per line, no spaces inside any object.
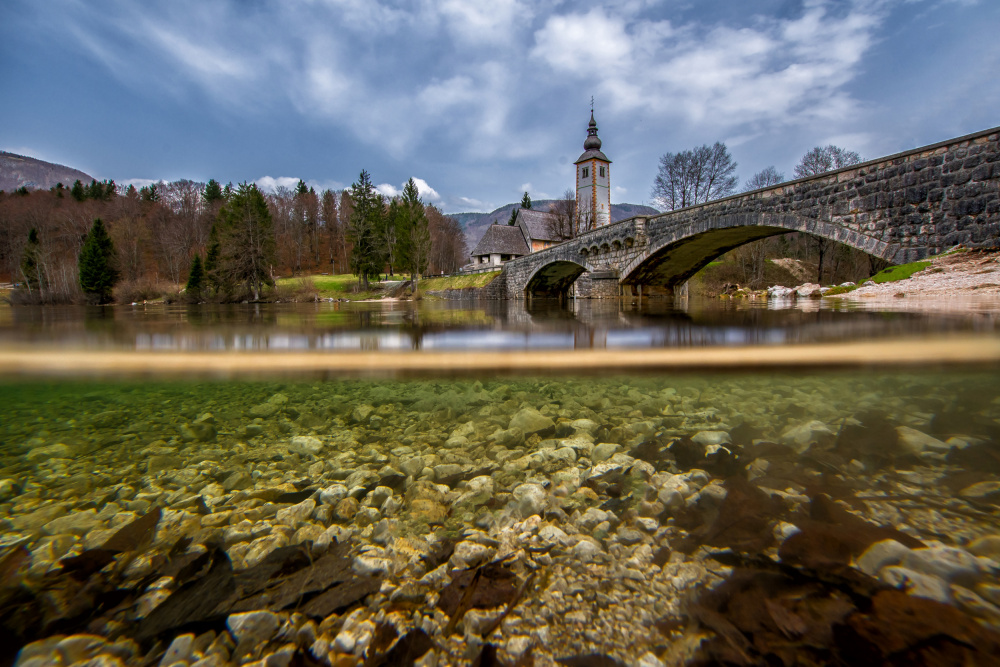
{"x":901,"y":208}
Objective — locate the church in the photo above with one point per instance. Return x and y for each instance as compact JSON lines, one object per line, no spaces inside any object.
{"x":534,"y":230}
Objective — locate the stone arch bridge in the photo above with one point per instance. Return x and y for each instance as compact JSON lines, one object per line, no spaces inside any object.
{"x":901,"y":208}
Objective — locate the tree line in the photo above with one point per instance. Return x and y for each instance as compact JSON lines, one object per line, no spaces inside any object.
{"x":233,"y":241}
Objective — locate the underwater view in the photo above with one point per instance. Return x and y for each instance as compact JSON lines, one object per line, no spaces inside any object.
{"x":324,"y":513}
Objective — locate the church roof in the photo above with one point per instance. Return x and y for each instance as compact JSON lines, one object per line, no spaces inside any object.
{"x":537,"y":224}
{"x":503,"y":240}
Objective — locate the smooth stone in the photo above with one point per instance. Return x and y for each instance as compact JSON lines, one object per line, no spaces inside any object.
{"x":988,"y":546}
{"x":361,"y":413}
{"x":982,"y":491}
{"x":913,"y":441}
{"x":346,"y":509}
{"x":513,"y":437}
{"x":253,"y":627}
{"x":550,"y":533}
{"x":463,"y":430}
{"x":333,"y":494}
{"x":707,"y":438}
{"x":57,"y":451}
{"x":647,"y":524}
{"x":916,"y":583}
{"x":76,"y":648}
{"x":76,"y":523}
{"x":296,"y":514}
{"x":262,"y":546}
{"x":800,"y":436}
{"x":629,"y":536}
{"x":470,"y":554}
{"x":973,"y":604}
{"x":238,"y":481}
{"x":264,"y":410}
{"x":604,"y":451}
{"x":412,"y":466}
{"x":369,"y":566}
{"x":948,"y":563}
{"x":305,"y":444}
{"x":585,"y":551}
{"x":530,"y":420}
{"x":178,"y":651}
{"x":530,"y":499}
{"x":158,"y":463}
{"x":881,"y":554}
{"x":592,"y":517}
{"x":429,"y":511}
{"x":457,"y":442}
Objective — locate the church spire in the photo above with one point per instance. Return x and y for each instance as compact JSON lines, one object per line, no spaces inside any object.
{"x":592,"y":142}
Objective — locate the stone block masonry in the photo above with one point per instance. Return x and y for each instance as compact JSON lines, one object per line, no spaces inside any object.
{"x":901,"y":208}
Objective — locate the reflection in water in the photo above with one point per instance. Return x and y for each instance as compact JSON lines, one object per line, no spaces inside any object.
{"x":468,"y":325}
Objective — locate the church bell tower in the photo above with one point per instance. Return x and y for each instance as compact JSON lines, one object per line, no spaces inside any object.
{"x":593,"y":183}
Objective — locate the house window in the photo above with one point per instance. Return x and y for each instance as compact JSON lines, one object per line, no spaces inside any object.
{"x":586,"y":172}
{"x":602,"y":172}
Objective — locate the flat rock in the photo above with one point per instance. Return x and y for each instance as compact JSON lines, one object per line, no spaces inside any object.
{"x":254,"y":627}
{"x":57,"y":451}
{"x":530,"y":420}
{"x":913,"y":441}
{"x":916,"y":583}
{"x":305,"y":444}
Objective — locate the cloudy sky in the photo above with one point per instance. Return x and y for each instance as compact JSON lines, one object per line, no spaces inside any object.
{"x":484,"y":99}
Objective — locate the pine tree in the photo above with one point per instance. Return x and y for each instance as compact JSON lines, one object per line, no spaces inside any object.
{"x":196,"y":278}
{"x":526,"y":200}
{"x":211,"y":266}
{"x":98,"y":273}
{"x":31,"y":270}
{"x":366,"y":219}
{"x":212,"y":192}
{"x":300,"y":188}
{"x":513,"y":216}
{"x":414,"y":234}
{"x":246,"y":238}
{"x":77,"y":192}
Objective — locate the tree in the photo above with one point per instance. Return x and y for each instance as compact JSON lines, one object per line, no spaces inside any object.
{"x":526,"y":200}
{"x":334,"y":230}
{"x":513,"y":216}
{"x":98,"y":273}
{"x":694,"y":177}
{"x":149,"y":193}
{"x":196,"y":279}
{"x":212,"y":192}
{"x":366,"y":219}
{"x":817,"y":161}
{"x":825,"y":158}
{"x":31,"y":268}
{"x":211,"y":264}
{"x":77,"y":191}
{"x":563,"y":212}
{"x":414,"y":234}
{"x":764,"y":178}
{"x":448,"y":250}
{"x":246,"y":239}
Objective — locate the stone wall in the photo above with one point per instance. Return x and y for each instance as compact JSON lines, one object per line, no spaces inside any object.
{"x":902,"y":208}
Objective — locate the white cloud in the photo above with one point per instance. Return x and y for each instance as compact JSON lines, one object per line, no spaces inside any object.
{"x":140,"y":182}
{"x":387,"y":190}
{"x":269,"y":184}
{"x":426,"y":191}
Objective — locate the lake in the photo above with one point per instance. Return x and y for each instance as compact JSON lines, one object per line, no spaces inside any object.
{"x":597,"y":483}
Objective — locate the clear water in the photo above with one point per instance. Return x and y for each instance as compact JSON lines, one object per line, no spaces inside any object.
{"x":583,"y":486}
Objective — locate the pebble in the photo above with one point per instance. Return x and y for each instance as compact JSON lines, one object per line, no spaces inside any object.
{"x":881,"y":554}
{"x":948,"y":563}
{"x":916,"y":583}
{"x":530,"y":499}
{"x":530,"y":420}
{"x":913,"y":441}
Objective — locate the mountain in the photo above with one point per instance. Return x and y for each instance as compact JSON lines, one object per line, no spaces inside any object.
{"x":474,"y":224}
{"x":18,"y":170}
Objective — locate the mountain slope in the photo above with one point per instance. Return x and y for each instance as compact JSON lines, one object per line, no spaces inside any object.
{"x":19,"y":170}
{"x":474,"y":224}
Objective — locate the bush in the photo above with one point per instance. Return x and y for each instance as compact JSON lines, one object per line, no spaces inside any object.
{"x":141,"y":289}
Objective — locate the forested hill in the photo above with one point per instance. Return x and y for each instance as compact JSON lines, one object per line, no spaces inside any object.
{"x":474,"y":224}
{"x":20,"y":171}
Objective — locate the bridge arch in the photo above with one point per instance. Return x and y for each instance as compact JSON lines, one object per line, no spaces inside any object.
{"x":553,"y":279}
{"x":683,"y":250}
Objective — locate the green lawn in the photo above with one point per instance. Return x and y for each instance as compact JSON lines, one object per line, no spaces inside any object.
{"x":889,"y":275}
{"x":343,"y":286}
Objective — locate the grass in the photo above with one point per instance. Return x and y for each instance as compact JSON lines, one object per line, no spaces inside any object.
{"x":458,"y":282}
{"x":343,"y":286}
{"x":889,"y":275}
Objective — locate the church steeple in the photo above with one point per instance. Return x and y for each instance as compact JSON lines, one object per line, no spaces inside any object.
{"x":593,"y":182}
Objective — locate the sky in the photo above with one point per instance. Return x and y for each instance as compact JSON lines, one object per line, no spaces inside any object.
{"x":479,"y":101}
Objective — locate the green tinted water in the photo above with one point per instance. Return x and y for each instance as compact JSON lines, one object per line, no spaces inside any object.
{"x":588,"y":490}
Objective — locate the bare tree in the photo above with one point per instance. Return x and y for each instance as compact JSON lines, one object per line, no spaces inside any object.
{"x":694,"y":176}
{"x":766,"y":177}
{"x":825,"y":158}
{"x":334,"y":230}
{"x":448,"y":250}
{"x":563,"y":213}
{"x":817,"y":161}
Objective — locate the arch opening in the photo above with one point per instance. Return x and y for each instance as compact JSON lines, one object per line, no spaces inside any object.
{"x":553,"y":280}
{"x":676,"y":260}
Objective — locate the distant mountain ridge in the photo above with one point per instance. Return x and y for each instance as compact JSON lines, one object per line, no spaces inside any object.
{"x":474,"y":224}
{"x":22,"y":171}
